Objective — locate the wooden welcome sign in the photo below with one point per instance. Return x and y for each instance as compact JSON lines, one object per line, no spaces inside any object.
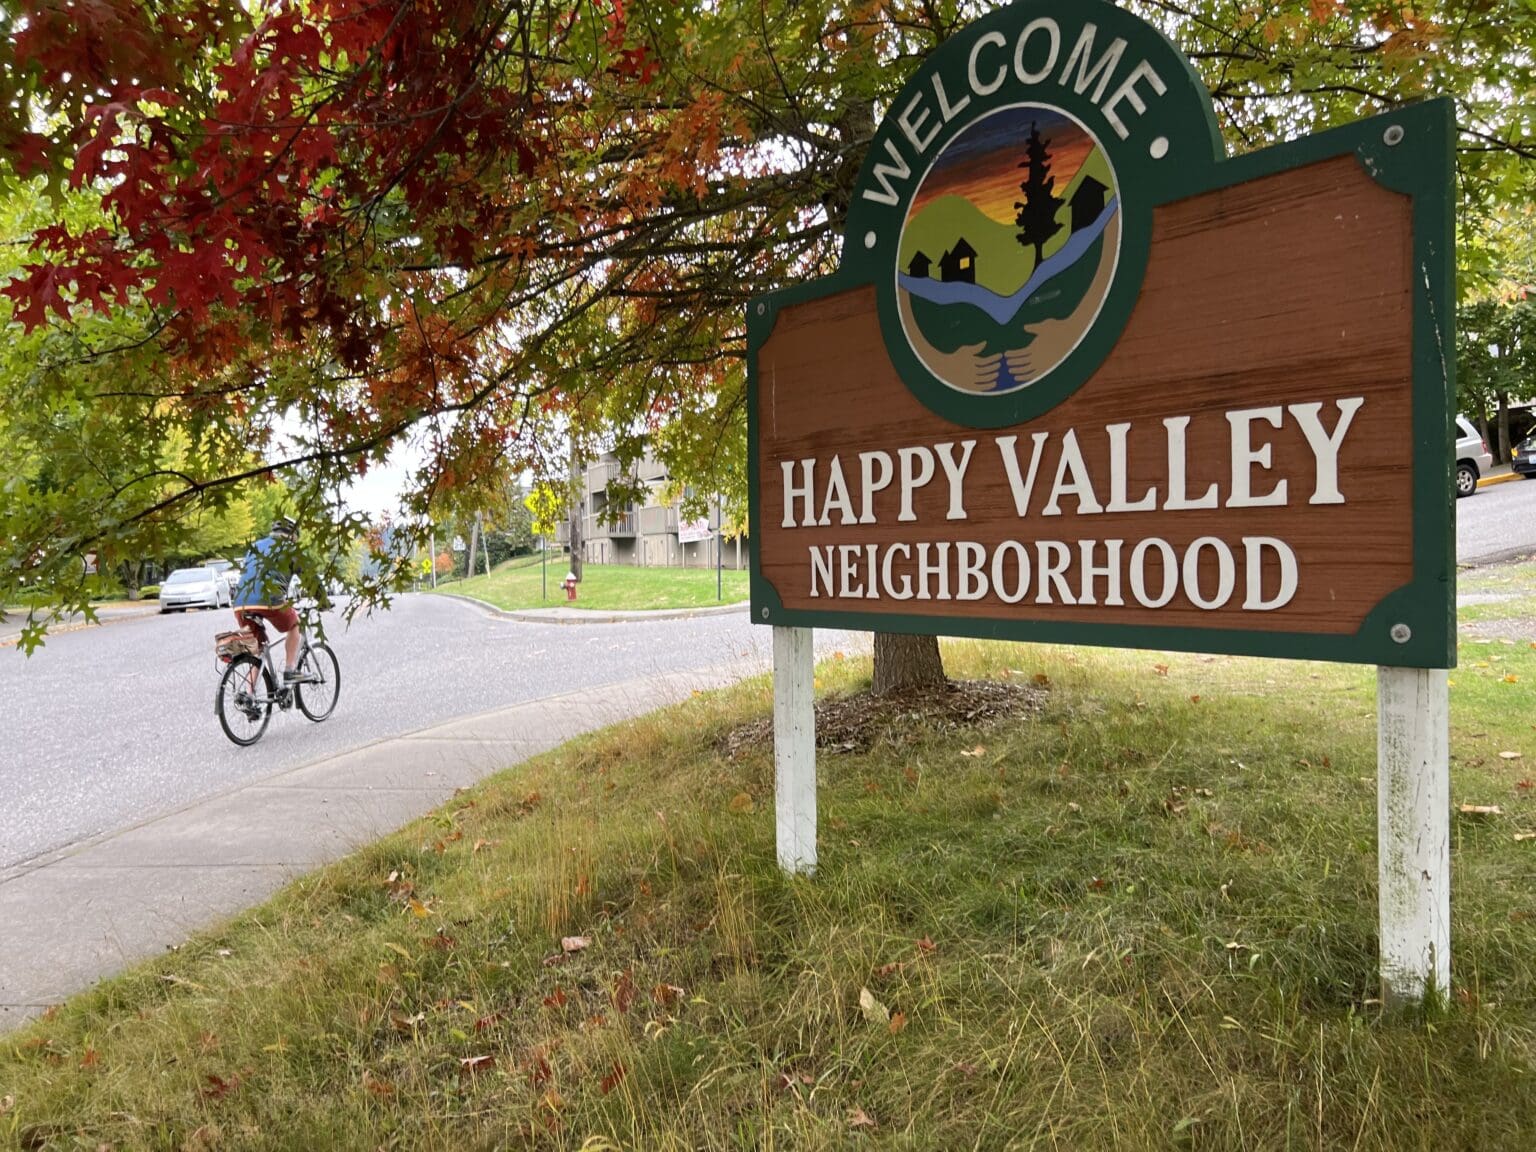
{"x":1083,"y":378}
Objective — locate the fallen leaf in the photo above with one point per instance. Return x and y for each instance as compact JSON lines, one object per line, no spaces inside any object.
{"x":860,"y":1119}
{"x":1481,"y":810}
{"x":470,"y":1065}
{"x":555,"y":999}
{"x":90,"y":1058}
{"x":1194,"y":699}
{"x":1511,"y":678}
{"x":1522,"y":837}
{"x":1160,"y":669}
{"x":418,"y":909}
{"x":874,"y":1011}
{"x":741,"y":802}
{"x":376,"y":1086}
{"x":898,"y":1022}
{"x":666,"y":994}
{"x":487,"y":1022}
{"x":926,"y":945}
{"x":1509,"y":755}
{"x":623,"y":992}
{"x":479,"y":844}
{"x":1041,"y":679}
{"x":614,"y":1078}
{"x":217,"y":1087}
{"x":575,"y":943}
{"x":404,"y":1023}
{"x":979,"y":750}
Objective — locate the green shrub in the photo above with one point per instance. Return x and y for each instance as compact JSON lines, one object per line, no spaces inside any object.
{"x":149,"y":591}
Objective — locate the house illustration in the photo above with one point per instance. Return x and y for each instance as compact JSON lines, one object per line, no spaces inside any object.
{"x":1087,"y":203}
{"x":919,"y":265}
{"x":958,"y":265}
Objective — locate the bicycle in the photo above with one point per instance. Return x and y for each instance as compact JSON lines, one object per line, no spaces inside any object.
{"x":252,"y":683}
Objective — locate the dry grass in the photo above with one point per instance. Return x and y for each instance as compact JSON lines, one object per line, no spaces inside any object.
{"x":1140,"y":917}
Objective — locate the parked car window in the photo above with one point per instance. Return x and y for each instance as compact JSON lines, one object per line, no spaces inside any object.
{"x":190,"y":576}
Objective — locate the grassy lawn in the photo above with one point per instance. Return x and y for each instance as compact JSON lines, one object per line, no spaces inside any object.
{"x":604,"y":587}
{"x":1144,"y":917}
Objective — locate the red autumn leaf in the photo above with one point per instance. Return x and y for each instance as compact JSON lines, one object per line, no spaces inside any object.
{"x":473,"y":1065}
{"x":555,"y":999}
{"x":217,"y":1088}
{"x":614,"y":1078}
{"x":926,"y":946}
{"x":539,"y":1071}
{"x":623,"y":992}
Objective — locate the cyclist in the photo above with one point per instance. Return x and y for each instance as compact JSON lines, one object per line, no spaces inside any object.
{"x":262,"y":593}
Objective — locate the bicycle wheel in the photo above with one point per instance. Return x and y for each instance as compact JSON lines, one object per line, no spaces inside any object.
{"x":243,"y":709}
{"x":319,"y":684}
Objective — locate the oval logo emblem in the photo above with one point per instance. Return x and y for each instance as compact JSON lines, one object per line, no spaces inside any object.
{"x":1008,"y":250}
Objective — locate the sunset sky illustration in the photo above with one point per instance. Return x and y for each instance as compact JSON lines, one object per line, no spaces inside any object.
{"x":982,"y":163}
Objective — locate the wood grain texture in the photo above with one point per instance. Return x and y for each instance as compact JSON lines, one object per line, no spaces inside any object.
{"x":1290,"y":289}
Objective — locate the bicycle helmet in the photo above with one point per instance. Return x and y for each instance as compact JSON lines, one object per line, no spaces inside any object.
{"x":283,"y":526}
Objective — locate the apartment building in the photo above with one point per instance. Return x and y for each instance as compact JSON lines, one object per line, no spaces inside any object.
{"x":651,"y":535}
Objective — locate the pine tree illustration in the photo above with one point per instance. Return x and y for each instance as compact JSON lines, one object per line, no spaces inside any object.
{"x":1037,"y":211}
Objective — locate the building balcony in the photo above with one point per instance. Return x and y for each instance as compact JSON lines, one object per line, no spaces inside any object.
{"x":599,"y":476}
{"x":658,"y":521}
{"x":600,"y":528}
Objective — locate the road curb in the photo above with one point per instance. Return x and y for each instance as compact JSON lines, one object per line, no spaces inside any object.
{"x":1501,"y":478}
{"x":81,"y":625}
{"x":587,"y":616}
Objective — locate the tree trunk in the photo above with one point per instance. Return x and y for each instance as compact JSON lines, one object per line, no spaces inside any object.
{"x":1502,"y":449}
{"x":474,"y":543}
{"x":906,"y":662}
{"x":578,"y":501}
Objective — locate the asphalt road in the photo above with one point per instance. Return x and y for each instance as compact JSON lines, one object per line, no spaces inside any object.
{"x":110,"y":726}
{"x":107,"y":727}
{"x":1497,"y":523}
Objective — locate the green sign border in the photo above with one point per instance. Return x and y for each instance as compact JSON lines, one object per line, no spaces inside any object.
{"x":1409,"y":150}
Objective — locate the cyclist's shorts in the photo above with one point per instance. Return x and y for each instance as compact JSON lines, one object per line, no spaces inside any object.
{"x":283,"y":618}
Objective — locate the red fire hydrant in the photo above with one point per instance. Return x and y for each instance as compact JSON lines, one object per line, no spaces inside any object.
{"x":569,"y":584}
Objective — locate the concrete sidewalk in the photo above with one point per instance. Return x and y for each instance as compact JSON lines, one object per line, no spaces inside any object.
{"x":563,"y":615}
{"x":106,"y":613}
{"x":77,"y":915}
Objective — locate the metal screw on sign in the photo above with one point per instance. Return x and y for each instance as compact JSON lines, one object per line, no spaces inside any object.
{"x":765,"y":613}
{"x":761,"y":309}
{"x":1393,"y":135}
{"x":1401,"y":633}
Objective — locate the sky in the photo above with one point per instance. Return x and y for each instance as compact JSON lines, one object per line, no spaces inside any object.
{"x":982,"y":163}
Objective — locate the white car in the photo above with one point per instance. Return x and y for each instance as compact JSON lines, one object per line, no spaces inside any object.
{"x":1472,"y":457}
{"x":193,"y":588}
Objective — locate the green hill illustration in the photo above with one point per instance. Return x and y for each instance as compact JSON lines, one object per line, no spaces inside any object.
{"x":936,"y":229}
{"x":1002,"y":264}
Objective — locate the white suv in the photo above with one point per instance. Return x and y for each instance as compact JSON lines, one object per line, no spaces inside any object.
{"x":1472,"y":457}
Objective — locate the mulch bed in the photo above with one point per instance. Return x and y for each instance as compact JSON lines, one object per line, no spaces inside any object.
{"x":857,"y":723}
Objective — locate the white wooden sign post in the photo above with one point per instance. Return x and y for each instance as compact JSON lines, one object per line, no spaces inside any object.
{"x":1413,"y":833}
{"x":794,"y":747}
{"x":1082,"y":378}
